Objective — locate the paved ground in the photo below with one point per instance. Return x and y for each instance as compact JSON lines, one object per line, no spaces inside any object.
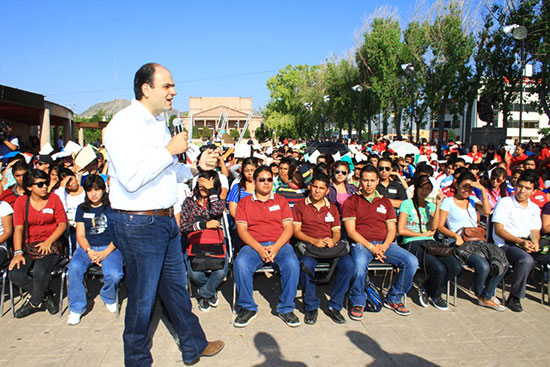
{"x":466,"y":335}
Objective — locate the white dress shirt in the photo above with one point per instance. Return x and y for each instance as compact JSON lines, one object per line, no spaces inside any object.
{"x":517,"y":220}
{"x":143,"y":172}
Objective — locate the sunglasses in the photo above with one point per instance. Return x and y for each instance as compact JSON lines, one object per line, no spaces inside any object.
{"x":41,"y":184}
{"x":342,"y":172}
{"x":264,"y":179}
{"x":384,"y":168}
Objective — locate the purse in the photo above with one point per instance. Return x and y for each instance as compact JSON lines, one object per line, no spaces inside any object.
{"x":437,"y":249}
{"x":474,"y":234}
{"x":207,"y":250}
{"x":31,"y":248}
{"x":340,"y":248}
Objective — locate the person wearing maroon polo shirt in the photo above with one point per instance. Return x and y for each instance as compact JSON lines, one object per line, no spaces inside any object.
{"x":370,"y":222}
{"x":317,"y":221}
{"x":264,"y":225}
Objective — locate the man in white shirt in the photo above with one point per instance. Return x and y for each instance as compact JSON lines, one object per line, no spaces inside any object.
{"x":516,"y":230}
{"x":143,"y":190}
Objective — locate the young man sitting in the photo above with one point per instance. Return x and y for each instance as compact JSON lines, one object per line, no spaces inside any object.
{"x":264,"y":224}
{"x":516,"y":230}
{"x":370,"y":222}
{"x":317,"y":222}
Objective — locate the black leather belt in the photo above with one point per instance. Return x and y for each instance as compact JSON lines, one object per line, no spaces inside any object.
{"x":158,"y":212}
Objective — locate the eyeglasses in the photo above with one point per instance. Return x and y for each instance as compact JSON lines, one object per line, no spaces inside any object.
{"x":342,"y":172}
{"x":41,"y":184}
{"x":385,"y":168}
{"x":264,"y":179}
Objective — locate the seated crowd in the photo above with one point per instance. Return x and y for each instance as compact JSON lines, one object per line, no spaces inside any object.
{"x":485,"y":211}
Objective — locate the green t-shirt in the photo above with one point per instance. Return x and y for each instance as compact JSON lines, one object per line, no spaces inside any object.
{"x":412,"y":224}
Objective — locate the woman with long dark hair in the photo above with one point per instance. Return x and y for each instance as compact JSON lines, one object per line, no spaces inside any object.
{"x":417,"y":224}
{"x":495,"y":185}
{"x":37,"y":244}
{"x":340,"y":189}
{"x":244,"y":187}
{"x":203,"y":211}
{"x":95,"y":247}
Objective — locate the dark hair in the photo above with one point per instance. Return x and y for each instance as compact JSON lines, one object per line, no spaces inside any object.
{"x":336,"y":165}
{"x":369,"y":168}
{"x":144,"y":75}
{"x":424,"y":167}
{"x":261,"y":169}
{"x":320,"y":168}
{"x":496,"y":172}
{"x":208,"y":175}
{"x":385,"y":159}
{"x":64,"y":172}
{"x":460,"y":170}
{"x":531,"y":176}
{"x":285,"y":160}
{"x":30,"y":176}
{"x":465,"y":176}
{"x":19,"y":166}
{"x":246,"y":162}
{"x":95,"y":182}
{"x":530,"y":159}
{"x":459,"y":160}
{"x":419,"y":181}
{"x":320,"y":176}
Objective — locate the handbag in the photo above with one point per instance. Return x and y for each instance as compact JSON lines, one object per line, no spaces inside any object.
{"x":31,"y":248}
{"x":207,"y":250}
{"x":340,"y":248}
{"x":474,"y":234}
{"x":437,"y":249}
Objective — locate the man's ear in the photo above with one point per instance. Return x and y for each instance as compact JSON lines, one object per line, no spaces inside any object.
{"x":146,"y":89}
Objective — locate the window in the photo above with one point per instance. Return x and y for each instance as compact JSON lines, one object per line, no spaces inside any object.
{"x":527,"y":124}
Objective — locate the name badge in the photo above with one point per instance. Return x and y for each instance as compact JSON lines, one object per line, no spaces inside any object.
{"x":89,"y":215}
{"x":47,"y":211}
{"x":329,"y":218}
{"x":381,"y":209}
{"x":274,"y":207}
{"x":392,"y":191}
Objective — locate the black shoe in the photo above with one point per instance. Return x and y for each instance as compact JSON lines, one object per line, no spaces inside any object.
{"x":423,"y":297}
{"x":244,"y":317}
{"x":290,"y":319}
{"x":440,"y":304}
{"x":514,"y":304}
{"x":336,"y":316}
{"x":50,"y":304}
{"x":28,"y":309}
{"x":213,"y":300}
{"x":204,"y":305}
{"x":311,"y":317}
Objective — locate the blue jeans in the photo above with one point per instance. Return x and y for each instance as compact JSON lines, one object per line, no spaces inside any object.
{"x":151,"y":248}
{"x":112,"y":274}
{"x":344,"y":272}
{"x":395,"y":255}
{"x":482,"y":267}
{"x":248,"y":261}
{"x":208,"y":283}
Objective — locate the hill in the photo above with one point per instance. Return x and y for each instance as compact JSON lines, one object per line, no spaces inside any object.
{"x":112,"y":107}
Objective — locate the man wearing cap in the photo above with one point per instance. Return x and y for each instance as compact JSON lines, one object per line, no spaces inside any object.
{"x":143,"y":190}
{"x":43,"y":162}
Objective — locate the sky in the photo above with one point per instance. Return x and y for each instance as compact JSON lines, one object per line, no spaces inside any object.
{"x":79,"y":53}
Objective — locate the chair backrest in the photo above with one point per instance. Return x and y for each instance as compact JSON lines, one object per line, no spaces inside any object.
{"x":227,"y":235}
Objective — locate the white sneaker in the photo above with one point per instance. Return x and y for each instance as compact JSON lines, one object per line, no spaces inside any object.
{"x":111,"y":307}
{"x":73,"y":319}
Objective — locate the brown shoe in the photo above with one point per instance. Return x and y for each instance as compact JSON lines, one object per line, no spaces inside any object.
{"x":491,"y":304}
{"x":211,"y":349}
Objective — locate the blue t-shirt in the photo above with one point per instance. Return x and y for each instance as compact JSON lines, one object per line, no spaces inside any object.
{"x":233,"y":195}
{"x":95,"y":223}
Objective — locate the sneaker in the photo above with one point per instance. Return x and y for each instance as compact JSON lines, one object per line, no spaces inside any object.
{"x":398,"y":308}
{"x":244,"y":317}
{"x":28,"y":309}
{"x":111,"y":307}
{"x":491,"y":304}
{"x":440,"y":304}
{"x":496,"y":300}
{"x":213,"y":300}
{"x":290,"y":319}
{"x":50,"y":304}
{"x":514,"y":304}
{"x":74,"y":318}
{"x":311,"y":317}
{"x":423,"y":297}
{"x":204,"y":304}
{"x":336,"y":316}
{"x":356,"y":313}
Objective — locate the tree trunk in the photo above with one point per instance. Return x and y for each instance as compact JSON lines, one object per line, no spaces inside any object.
{"x":468,"y":123}
{"x":441,"y":116}
{"x":397,"y":120}
{"x":369,"y":129}
{"x":385,"y":123}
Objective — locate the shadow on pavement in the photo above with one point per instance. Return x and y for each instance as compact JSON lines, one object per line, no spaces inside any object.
{"x":268,"y":347}
{"x":382,"y":358}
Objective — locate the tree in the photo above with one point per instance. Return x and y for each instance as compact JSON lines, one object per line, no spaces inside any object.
{"x":196,"y":133}
{"x":263,"y":133}
{"x":206,"y":133}
{"x":246,"y":134}
{"x":235,"y":134}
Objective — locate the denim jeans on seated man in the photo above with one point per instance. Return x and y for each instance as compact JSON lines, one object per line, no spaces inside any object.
{"x":395,"y":255}
{"x":151,"y":248}
{"x":248,"y":261}
{"x":208,"y":283}
{"x":111,"y":267}
{"x":342,"y":278}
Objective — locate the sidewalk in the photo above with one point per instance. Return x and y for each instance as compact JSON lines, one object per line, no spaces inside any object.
{"x":466,"y":335}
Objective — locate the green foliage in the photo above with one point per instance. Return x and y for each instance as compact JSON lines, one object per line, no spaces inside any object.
{"x":263,"y":133}
{"x":196,"y":132}
{"x":545,"y":132}
{"x":246,"y":134}
{"x":235,"y":134}
{"x":206,"y":133}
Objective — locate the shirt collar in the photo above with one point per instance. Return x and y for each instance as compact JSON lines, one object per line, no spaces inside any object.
{"x":325,"y":201}
{"x":376,"y":195}
{"x":254,"y":198}
{"x":147,"y":115}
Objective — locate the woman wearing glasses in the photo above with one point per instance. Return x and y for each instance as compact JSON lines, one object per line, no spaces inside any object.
{"x":340,"y":189}
{"x":37,"y":245}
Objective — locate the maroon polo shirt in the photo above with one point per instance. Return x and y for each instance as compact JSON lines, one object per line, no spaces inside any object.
{"x":316,"y":223}
{"x":370,"y":217}
{"x":264,"y":218}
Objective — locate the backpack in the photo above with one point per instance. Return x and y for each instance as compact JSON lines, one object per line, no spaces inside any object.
{"x":374,"y":299}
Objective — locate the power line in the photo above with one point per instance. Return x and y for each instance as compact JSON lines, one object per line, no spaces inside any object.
{"x":177,"y":82}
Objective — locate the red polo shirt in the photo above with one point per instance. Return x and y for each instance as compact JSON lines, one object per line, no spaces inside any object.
{"x":316,"y":223}
{"x":370,"y":217}
{"x":264,"y":218}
